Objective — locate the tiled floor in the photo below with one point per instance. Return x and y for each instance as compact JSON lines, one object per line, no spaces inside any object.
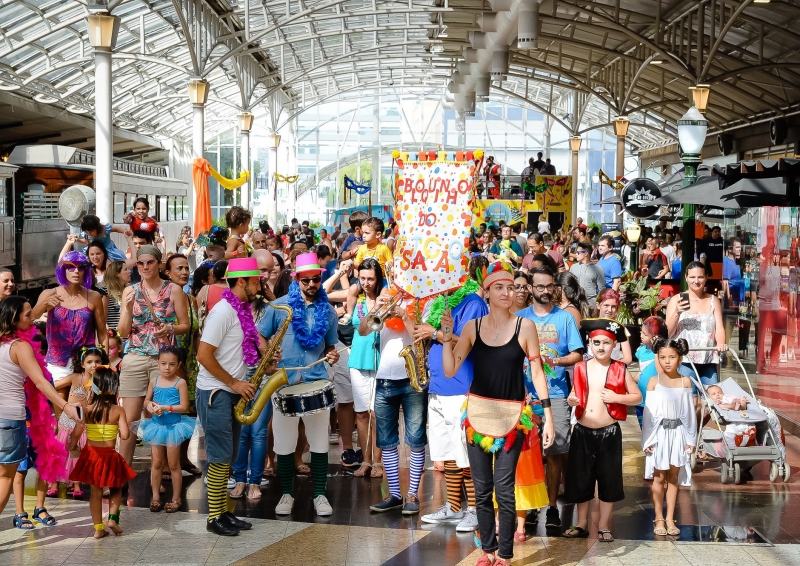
{"x":720,"y":524}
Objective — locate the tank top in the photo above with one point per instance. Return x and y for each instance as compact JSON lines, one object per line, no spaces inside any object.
{"x":499,"y":372}
{"x":167,"y":396}
{"x":144,"y":325}
{"x":12,"y":386}
{"x":66,"y":330}
{"x":699,"y":332}
{"x":101,"y":432}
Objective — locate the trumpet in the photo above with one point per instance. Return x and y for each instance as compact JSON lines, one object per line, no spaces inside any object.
{"x":376,"y":320}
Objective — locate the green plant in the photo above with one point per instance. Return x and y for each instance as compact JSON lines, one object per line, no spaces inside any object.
{"x":639,"y":299}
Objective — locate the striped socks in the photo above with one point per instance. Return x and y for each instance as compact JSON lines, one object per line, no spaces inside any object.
{"x":453,"y":477}
{"x":415,"y":470}
{"x":319,"y":472}
{"x":286,"y":472}
{"x":391,"y":464}
{"x":217,"y":489}
{"x":469,"y":486}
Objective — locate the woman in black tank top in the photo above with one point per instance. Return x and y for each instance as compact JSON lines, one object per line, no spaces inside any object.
{"x":500,"y":342}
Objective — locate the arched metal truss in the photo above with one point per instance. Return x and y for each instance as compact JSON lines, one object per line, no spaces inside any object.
{"x":632,"y":57}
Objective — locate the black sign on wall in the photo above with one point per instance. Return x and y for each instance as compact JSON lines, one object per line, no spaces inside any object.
{"x":637,"y":196}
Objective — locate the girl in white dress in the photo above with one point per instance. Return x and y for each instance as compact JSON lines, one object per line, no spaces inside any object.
{"x":669,"y":431}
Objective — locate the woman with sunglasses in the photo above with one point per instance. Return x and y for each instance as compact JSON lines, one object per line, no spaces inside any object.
{"x":522,"y":291}
{"x":154,"y":311}
{"x":76,"y":316}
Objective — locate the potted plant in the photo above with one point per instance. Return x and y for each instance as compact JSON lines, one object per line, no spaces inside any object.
{"x":637,"y":302}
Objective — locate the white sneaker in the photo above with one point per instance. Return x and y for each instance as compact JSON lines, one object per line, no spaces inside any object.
{"x":322,"y":507}
{"x":231,"y":483}
{"x":264,"y":481}
{"x":284,"y":506}
{"x":443,"y":515}
{"x":469,"y":523}
{"x":345,"y":319}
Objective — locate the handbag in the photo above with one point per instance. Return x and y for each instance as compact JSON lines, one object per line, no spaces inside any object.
{"x":493,"y":417}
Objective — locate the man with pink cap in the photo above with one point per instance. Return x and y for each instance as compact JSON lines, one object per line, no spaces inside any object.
{"x":230,"y":343}
{"x":310,"y":337}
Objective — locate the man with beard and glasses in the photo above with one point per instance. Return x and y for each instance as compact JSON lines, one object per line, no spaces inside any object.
{"x":561,"y":348}
{"x":228,"y":345}
{"x":311,"y":336}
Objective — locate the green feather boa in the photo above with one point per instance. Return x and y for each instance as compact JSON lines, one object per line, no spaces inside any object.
{"x":438,"y":308}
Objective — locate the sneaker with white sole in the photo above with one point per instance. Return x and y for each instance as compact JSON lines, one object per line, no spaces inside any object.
{"x":284,"y":506}
{"x":322,"y":507}
{"x":231,"y":483}
{"x":443,"y":515}
{"x":469,"y":523}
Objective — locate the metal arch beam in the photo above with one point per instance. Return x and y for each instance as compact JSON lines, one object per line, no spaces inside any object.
{"x":713,"y":51}
{"x":535,"y":105}
{"x":633,"y":125}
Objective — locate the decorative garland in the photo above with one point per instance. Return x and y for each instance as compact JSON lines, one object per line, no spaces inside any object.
{"x":438,"y":308}
{"x":308,"y":338}
{"x":51,"y":455}
{"x":490,"y":444}
{"x":245,"y":314}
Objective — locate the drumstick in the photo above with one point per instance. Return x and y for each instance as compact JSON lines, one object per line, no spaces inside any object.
{"x":319,"y":361}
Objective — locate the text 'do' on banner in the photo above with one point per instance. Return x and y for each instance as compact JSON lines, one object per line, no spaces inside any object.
{"x":434,"y":218}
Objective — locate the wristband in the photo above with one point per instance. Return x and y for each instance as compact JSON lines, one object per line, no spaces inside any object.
{"x":545,"y":403}
{"x":170,"y":408}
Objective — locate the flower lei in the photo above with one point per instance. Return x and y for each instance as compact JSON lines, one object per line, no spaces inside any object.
{"x":308,"y":338}
{"x":438,"y":308}
{"x":51,"y":455}
{"x":245,"y":314}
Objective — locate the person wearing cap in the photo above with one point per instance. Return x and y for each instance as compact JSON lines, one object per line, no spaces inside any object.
{"x":602,"y":390}
{"x":500,"y":342}
{"x":228,"y":345}
{"x":153,"y":312}
{"x":214,"y":243}
{"x":311,"y":336}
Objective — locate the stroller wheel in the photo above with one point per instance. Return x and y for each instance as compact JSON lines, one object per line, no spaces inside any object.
{"x":737,"y":474}
{"x":774,"y":471}
{"x":786,"y":472}
{"x":693,"y":460}
{"x":723,"y":473}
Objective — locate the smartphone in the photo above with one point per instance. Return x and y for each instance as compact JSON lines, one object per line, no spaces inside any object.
{"x":79,"y":410}
{"x":685,"y":298}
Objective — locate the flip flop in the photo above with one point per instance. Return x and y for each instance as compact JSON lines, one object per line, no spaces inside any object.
{"x":303,"y":469}
{"x":602,"y":536}
{"x":579,"y":532}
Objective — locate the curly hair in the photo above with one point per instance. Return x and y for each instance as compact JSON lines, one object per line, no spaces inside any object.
{"x":236,"y":216}
{"x":680,"y":345}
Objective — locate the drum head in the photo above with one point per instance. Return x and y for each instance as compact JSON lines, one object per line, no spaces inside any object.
{"x":301,"y":389}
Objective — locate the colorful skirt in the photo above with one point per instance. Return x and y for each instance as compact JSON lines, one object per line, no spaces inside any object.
{"x":103,"y":467}
{"x":65,"y":427}
{"x":153,"y":432}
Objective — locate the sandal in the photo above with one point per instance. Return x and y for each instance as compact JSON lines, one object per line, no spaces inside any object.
{"x":21,"y":521}
{"x":238,"y":490}
{"x":577,"y":532}
{"x":660,"y":531}
{"x":254,"y":492}
{"x":172,"y":506}
{"x":303,"y":469}
{"x":192,"y":469}
{"x":156,"y":506}
{"x":77,"y":494}
{"x":52,"y":492}
{"x":362,"y":470}
{"x":673,"y":530}
{"x":377,"y":470}
{"x":605,"y":536}
{"x":47,"y":521}
{"x":269,"y":472}
{"x":520,"y":537}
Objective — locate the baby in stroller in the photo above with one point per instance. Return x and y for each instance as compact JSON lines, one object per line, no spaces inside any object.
{"x":734,"y":433}
{"x":726,"y":401}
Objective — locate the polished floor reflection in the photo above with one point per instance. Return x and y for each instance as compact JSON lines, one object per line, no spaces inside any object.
{"x":720,"y":524}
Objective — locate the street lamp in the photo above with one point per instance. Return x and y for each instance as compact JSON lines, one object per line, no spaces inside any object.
{"x":274,"y":140}
{"x":574,"y":147}
{"x":700,"y":96}
{"x":633,"y":231}
{"x":692,"y":129}
{"x":621,"y":124}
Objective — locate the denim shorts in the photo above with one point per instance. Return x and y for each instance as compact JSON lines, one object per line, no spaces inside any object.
{"x":222,"y":430}
{"x":706,"y":373}
{"x":13,"y":441}
{"x":390,"y":395}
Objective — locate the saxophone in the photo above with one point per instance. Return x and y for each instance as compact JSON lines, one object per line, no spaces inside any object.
{"x":414,"y":356}
{"x":274,"y":381}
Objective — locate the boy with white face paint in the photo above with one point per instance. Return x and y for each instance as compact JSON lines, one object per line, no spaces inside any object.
{"x":602,"y":389}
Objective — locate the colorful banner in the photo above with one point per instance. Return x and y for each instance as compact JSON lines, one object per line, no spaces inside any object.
{"x":434,"y":220}
{"x":558,"y":195}
{"x":493,"y":211}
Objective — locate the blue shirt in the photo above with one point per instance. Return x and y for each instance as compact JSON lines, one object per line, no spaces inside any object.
{"x":114,"y":253}
{"x":558,"y":336}
{"x":350,"y":239}
{"x":650,"y":372}
{"x":612,"y":269}
{"x":293,"y":355}
{"x":365,"y":350}
{"x":470,"y":308}
{"x":677,"y":267}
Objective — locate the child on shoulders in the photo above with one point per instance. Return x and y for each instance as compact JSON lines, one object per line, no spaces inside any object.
{"x":371,"y":230}
{"x":237,"y":219}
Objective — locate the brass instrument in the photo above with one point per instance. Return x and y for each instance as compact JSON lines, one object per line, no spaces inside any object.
{"x":376,"y":320}
{"x":274,"y":381}
{"x":414,"y":356}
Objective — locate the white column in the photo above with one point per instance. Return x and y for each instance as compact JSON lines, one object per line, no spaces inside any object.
{"x":246,"y":167}
{"x":273,"y":196}
{"x":103,"y":30}
{"x":198,"y":95}
{"x":376,"y":154}
{"x":619,"y":170}
{"x":574,"y":218}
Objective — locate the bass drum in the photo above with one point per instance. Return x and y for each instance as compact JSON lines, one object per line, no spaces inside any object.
{"x":305,"y":398}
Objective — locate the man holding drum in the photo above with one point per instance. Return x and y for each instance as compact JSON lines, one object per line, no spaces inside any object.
{"x":310,"y":337}
{"x":228,"y":345}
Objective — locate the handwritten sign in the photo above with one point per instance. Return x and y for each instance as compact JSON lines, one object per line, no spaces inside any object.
{"x":434,"y":218}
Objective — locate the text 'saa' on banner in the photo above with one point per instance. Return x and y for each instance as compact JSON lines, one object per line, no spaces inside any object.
{"x":434,"y":219}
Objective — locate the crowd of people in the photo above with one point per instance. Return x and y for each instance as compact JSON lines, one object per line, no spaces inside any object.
{"x":144,"y":343}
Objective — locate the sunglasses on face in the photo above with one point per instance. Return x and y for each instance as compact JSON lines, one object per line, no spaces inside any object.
{"x":579,"y":252}
{"x":309,"y":280}
{"x":75,"y":266}
{"x":147,"y":263}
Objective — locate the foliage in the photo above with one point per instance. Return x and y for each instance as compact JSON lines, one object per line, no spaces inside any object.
{"x":638,"y":300}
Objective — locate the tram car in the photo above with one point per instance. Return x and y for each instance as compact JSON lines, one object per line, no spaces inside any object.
{"x":36,"y":179}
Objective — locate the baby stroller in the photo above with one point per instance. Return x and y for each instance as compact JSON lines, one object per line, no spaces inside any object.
{"x":768,"y":446}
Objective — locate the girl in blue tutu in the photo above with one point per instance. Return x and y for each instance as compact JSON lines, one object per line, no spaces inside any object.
{"x":167,"y":399}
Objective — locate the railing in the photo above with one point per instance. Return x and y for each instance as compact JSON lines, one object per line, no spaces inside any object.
{"x":83,"y":157}
{"x":511,"y":187}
